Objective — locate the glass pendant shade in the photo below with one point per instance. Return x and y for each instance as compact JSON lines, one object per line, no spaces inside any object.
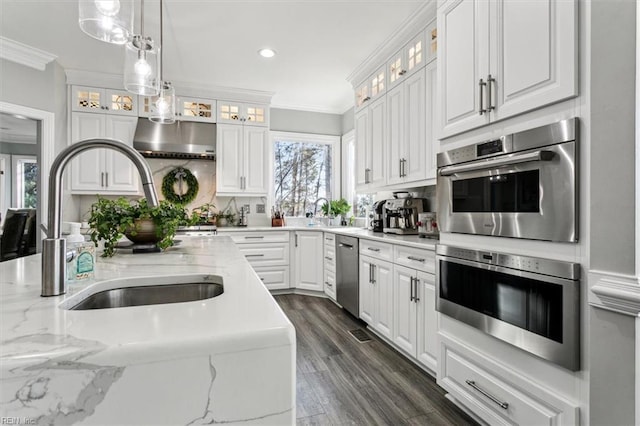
{"x":106,"y":20}
{"x":163,"y":107}
{"x":141,"y":67}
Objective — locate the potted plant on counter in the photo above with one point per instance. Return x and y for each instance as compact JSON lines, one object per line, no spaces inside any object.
{"x":111,"y":219}
{"x":339,"y":208}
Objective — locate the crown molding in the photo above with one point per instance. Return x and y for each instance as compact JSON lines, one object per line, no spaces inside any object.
{"x":115,"y":81}
{"x":407,"y":30}
{"x":309,"y":108}
{"x":618,"y":293}
{"x":23,"y":54}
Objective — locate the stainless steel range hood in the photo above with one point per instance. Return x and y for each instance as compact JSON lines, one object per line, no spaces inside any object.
{"x":182,"y":139}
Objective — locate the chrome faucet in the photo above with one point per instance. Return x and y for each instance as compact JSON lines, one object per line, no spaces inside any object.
{"x":315,"y":204}
{"x":54,"y":247}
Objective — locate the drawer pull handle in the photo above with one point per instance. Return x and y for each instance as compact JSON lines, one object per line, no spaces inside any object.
{"x":373,"y":249}
{"x":254,"y":255}
{"x":328,"y":258}
{"x":417,"y":259}
{"x":327,"y":283}
{"x":328,"y":239}
{"x":503,"y":405}
{"x":253,"y":237}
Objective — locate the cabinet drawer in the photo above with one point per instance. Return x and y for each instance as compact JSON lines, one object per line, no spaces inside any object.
{"x":422,"y":260}
{"x":266,"y":254}
{"x":375,"y":249}
{"x":329,"y":239}
{"x":258,"y":237}
{"x":274,"y":277}
{"x":330,"y":284}
{"x":496,"y":399}
{"x":329,"y":254}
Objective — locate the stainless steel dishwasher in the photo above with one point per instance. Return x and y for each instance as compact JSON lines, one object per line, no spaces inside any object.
{"x":347,"y":289}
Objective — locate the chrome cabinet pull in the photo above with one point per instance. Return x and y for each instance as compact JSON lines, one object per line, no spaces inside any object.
{"x":249,"y":237}
{"x":411,"y":298}
{"x":503,"y":405}
{"x":106,"y":179}
{"x":416,"y":281}
{"x":490,"y":81}
{"x":400,"y":168}
{"x":327,"y":283}
{"x":366,"y":175}
{"x":102,"y":179}
{"x":373,"y":273}
{"x":402,"y":72}
{"x":481,"y":85}
{"x":296,"y":240}
{"x":417,"y":259}
{"x":349,"y":246}
{"x":373,"y":249}
{"x":254,"y":255}
{"x":328,"y":258}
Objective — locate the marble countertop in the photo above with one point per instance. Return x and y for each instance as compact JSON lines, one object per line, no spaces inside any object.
{"x":405,"y":240}
{"x":35,"y":329}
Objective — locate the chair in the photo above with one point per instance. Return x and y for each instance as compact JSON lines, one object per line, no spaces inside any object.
{"x":12,"y":235}
{"x":28,"y":245}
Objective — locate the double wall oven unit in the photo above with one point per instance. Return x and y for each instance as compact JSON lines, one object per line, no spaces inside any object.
{"x":529,"y":302}
{"x":522,"y":185}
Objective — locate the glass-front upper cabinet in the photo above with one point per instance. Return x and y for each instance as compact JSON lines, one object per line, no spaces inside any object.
{"x":110,"y":101}
{"x":362,"y":95}
{"x":243,"y":113}
{"x":408,"y":60}
{"x":187,"y":108}
{"x":372,"y":87}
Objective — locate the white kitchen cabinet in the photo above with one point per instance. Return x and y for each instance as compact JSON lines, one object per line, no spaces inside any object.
{"x":497,"y":394}
{"x":268,"y":253}
{"x":243,"y":113}
{"x":104,"y":101}
{"x":427,"y":329}
{"x":241,"y":167}
{"x":330,"y":265}
{"x":373,"y":87}
{"x":308,"y":254}
{"x":408,"y":60}
{"x":370,"y":145}
{"x":376,"y":294}
{"x":187,"y":108}
{"x":502,"y":58}
{"x":103,"y":171}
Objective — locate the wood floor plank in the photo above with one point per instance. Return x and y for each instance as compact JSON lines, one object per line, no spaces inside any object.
{"x":344,"y":381}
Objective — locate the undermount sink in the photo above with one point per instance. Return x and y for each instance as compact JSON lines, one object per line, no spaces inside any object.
{"x":149,"y":291}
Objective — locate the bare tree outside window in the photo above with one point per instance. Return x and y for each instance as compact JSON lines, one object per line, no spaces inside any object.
{"x":302,"y":174}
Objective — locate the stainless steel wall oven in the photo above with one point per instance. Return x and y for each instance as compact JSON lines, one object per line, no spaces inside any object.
{"x":529,"y":302}
{"x":522,"y":185}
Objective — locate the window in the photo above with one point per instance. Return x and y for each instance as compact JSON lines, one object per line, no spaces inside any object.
{"x":306,"y":167}
{"x":25,"y":181}
{"x":361,"y":202}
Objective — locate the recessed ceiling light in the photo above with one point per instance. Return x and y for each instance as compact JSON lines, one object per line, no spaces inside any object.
{"x":267,"y":53}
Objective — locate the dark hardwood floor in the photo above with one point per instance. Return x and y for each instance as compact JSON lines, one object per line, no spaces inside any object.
{"x":343,"y":381}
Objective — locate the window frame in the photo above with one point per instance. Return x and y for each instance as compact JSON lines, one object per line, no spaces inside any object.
{"x":17,"y":172}
{"x":336,"y":159}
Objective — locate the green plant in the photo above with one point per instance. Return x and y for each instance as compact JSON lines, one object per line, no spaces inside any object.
{"x":338,"y":207}
{"x":111,"y":219}
{"x":205,"y":212}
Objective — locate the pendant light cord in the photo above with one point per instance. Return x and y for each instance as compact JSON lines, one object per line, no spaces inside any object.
{"x":161,"y":46}
{"x":142,"y":18}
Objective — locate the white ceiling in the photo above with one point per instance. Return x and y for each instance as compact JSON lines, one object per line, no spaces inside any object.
{"x":214,"y":43}
{"x":17,"y":129}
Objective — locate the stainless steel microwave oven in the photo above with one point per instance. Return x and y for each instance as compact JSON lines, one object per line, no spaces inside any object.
{"x":521,"y":185}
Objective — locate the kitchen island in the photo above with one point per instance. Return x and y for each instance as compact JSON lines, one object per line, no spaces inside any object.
{"x":227,"y":359}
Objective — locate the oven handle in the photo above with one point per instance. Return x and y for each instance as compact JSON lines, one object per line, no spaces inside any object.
{"x":492,"y":164}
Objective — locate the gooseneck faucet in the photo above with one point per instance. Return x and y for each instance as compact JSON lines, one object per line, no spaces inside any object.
{"x":315,"y":205}
{"x":54,"y":247}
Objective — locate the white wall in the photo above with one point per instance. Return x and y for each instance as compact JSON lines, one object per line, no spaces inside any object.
{"x":320,"y":123}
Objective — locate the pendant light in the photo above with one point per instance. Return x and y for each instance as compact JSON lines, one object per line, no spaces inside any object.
{"x":106,"y":20}
{"x":163,"y":107}
{"x":141,"y":63}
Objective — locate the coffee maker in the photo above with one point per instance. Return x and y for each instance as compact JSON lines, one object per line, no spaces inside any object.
{"x":376,"y":216}
{"x":401,"y":215}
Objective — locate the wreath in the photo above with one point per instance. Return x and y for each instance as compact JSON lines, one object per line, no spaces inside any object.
{"x":180,"y":175}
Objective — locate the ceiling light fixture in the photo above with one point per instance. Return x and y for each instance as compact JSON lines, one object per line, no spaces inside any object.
{"x":267,"y":53}
{"x":106,"y":20}
{"x":141,"y":63}
{"x":163,"y":107}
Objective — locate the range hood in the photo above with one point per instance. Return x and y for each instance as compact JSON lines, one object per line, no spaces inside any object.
{"x":182,"y":139}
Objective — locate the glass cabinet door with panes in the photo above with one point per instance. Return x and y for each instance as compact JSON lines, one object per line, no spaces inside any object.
{"x":109,"y":101}
{"x":243,"y":113}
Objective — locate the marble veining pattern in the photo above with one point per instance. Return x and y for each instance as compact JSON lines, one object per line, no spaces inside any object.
{"x":90,"y":367}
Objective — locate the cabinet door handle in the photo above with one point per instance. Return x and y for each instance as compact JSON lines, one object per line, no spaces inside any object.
{"x":370,"y":273}
{"x":416,"y":281}
{"x":373,"y":273}
{"x":102,"y":179}
{"x":366,"y":175}
{"x":254,"y":255}
{"x":373,"y":249}
{"x":106,"y":179}
{"x":404,"y":167}
{"x":400,"y":168}
{"x":402,"y":72}
{"x":368,"y":98}
{"x":328,"y":258}
{"x":296,"y":240}
{"x":328,"y":284}
{"x":503,"y":405}
{"x":490,"y":81}
{"x":411,"y":297}
{"x":481,"y":85}
{"x":417,"y":259}
{"x":249,"y":237}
